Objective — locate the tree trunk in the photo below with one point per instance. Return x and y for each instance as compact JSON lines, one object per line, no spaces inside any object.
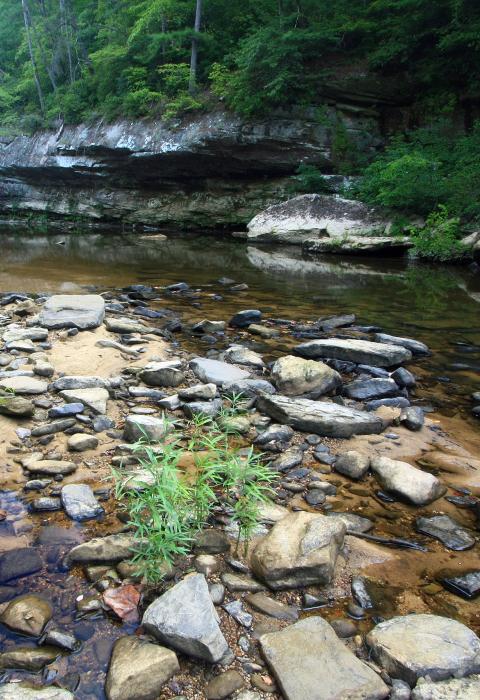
{"x":27,"y":22}
{"x":67,"y":38}
{"x":194,"y":59}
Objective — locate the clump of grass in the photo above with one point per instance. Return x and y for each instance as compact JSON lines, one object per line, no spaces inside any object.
{"x":171,"y":506}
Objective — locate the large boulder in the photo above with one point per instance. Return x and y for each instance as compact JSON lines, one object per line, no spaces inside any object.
{"x":413,"y":646}
{"x":185,"y":618}
{"x":294,"y":376}
{"x":138,"y":669}
{"x":311,"y":216}
{"x":363,"y":352}
{"x":310,"y":662}
{"x":300,"y":550}
{"x":408,"y":482}
{"x":325,"y":419}
{"x":81,"y":311}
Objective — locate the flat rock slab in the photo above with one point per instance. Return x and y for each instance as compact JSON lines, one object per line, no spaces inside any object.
{"x":408,"y":482}
{"x":15,"y":333}
{"x":217,"y":372}
{"x":416,"y":347}
{"x":185,"y":618}
{"x":453,"y":689}
{"x":24,"y":385}
{"x":364,"y":352}
{"x":413,"y":646}
{"x":51,"y":467}
{"x":19,"y":562}
{"x":79,"y":502}
{"x":82,"y":311}
{"x":448,"y":531}
{"x":310,"y":662}
{"x":467,"y":586}
{"x":20,"y":691}
{"x":111,"y":549}
{"x":300,"y":550}
{"x":95,"y":398}
{"x":321,"y":418}
{"x":138,"y":669}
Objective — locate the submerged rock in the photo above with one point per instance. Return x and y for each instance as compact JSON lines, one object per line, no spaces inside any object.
{"x":309,"y":661}
{"x":139,"y":669}
{"x":300,"y":550}
{"x":326,"y":419}
{"x":185,"y":618}
{"x":447,"y":530}
{"x":408,"y":482}
{"x":79,"y":502}
{"x":352,"y":464}
{"x":244,"y":318}
{"x":413,"y":646}
{"x":18,"y":563}
{"x":467,"y":586}
{"x":82,"y":311}
{"x":28,"y":658}
{"x":27,"y":614}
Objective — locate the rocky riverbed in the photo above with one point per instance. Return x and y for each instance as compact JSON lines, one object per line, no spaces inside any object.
{"x":365,"y":564}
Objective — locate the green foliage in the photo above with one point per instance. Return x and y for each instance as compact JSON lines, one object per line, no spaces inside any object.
{"x":308,"y":179}
{"x":439,"y":239}
{"x":429,"y":167}
{"x":169,"y":506}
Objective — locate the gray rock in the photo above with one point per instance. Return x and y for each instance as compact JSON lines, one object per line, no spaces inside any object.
{"x":14,"y":333}
{"x":448,"y":531}
{"x":139,"y":669}
{"x":245,"y":318}
{"x":263,"y":331}
{"x":20,"y":691}
{"x":111,"y":549}
{"x":27,"y":614}
{"x":170,"y":403}
{"x":16,"y":406}
{"x":144,"y":428}
{"x":235,"y":609}
{"x":80,"y":502}
{"x":275,"y":432}
{"x":452,"y":689}
{"x":467,"y":585}
{"x":24,"y":385}
{"x":184,"y":617}
{"x":80,"y":442}
{"x":57,"y":426}
{"x":217,"y":593}
{"x":50,"y":467}
{"x":300,"y":550}
{"x":248,"y":388}
{"x":271,"y":607}
{"x":44,"y":369}
{"x":368,"y":389}
{"x":299,"y":655}
{"x":167,"y":373}
{"x":408,"y":482}
{"x":216,"y":372}
{"x":68,"y":409}
{"x":415,"y":346}
{"x":202,"y":392}
{"x":59,"y":638}
{"x":412,"y":418}
{"x":294,"y":376}
{"x":206,"y":326}
{"x":238,"y":354}
{"x":82,"y":311}
{"x":205,"y":408}
{"x":125,"y":326}
{"x":413,"y":646}
{"x":224,"y":685}
{"x":95,"y":398}
{"x":403,"y":378}
{"x":211,"y":541}
{"x":353,"y":350}
{"x":352,"y":464}
{"x":70,"y":382}
{"x":46,"y":503}
{"x":395,"y":402}
{"x":239,"y":583}
{"x":326,"y":419}
{"x":288,"y":460}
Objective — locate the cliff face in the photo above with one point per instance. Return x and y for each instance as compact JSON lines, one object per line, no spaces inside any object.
{"x":212,"y":171}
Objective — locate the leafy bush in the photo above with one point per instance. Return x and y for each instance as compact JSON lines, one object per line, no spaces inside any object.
{"x":140,"y":102}
{"x":439,"y":239}
{"x":170,"y":505}
{"x":308,"y":179}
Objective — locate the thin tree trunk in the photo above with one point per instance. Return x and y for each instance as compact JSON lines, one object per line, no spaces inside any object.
{"x":26,"y":20}
{"x":194,"y":59}
{"x":66,"y":36}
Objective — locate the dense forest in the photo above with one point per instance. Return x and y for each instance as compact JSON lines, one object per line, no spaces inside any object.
{"x":72,"y":61}
{"x":81,"y":59}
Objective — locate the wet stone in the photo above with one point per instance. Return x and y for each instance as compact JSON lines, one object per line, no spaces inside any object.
{"x":18,"y":563}
{"x":46,"y":503}
{"x":467,"y":586}
{"x":447,"y":530}
{"x":80,"y":502}
{"x":27,"y":614}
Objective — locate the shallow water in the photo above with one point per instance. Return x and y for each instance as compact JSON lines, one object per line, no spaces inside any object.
{"x":437,"y":305}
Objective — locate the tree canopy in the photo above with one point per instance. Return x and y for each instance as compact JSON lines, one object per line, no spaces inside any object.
{"x":79,"y":59}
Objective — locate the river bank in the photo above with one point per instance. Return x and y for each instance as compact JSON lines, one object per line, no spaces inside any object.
{"x":160,"y":323}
